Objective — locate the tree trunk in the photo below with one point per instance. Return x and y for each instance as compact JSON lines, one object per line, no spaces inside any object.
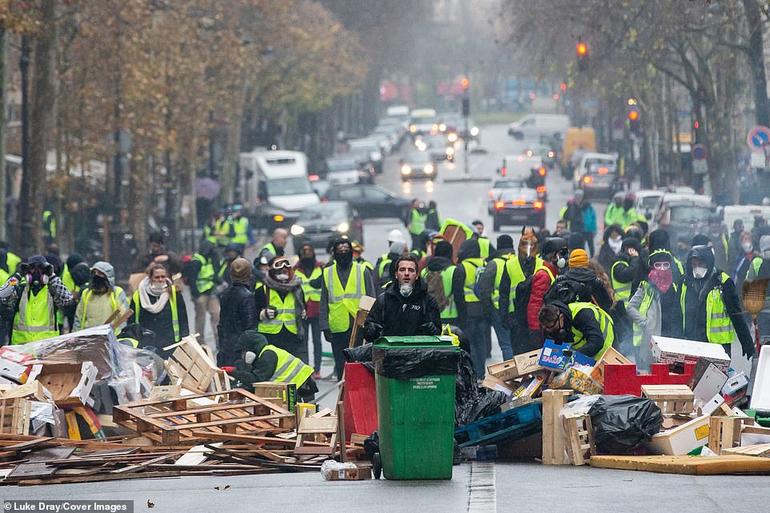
{"x":3,"y":61}
{"x":40,"y":127}
{"x":233,"y":147}
{"x":756,"y":55}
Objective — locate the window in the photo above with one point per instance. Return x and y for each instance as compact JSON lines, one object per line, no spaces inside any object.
{"x":352,"y":193}
{"x":375,"y":194}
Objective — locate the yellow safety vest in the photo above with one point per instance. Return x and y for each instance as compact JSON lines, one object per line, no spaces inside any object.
{"x":205,"y":279}
{"x":36,"y":317}
{"x":384,"y":263}
{"x":501,"y":264}
{"x":417,"y":222}
{"x":222,"y":231}
{"x":311,"y":293}
{"x":622,"y":289}
{"x":12,"y":262}
{"x":470,"y":265}
{"x":483,"y":247}
{"x":605,"y":324}
{"x":719,"y":326}
{"x":289,"y":368}
{"x":343,"y":302}
{"x":516,"y":275}
{"x":86,"y":296}
{"x":174,"y":311}
{"x":286,"y":314}
{"x":241,"y":228}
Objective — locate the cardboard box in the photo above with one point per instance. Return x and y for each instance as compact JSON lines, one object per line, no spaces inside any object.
{"x":14,"y":371}
{"x":349,"y":472}
{"x":31,"y":390}
{"x":709,"y":385}
{"x":760,"y":396}
{"x":677,"y":350}
{"x":576,"y":380}
{"x":70,"y":384}
{"x":530,"y":387}
{"x":560,"y":356}
{"x":681,"y":440}
{"x":498,"y":385}
{"x":519,"y":365}
{"x":611,"y":355}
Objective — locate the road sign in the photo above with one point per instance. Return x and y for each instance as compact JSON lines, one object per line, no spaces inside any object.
{"x":698,"y":152}
{"x":700,"y":167}
{"x":758,"y":137}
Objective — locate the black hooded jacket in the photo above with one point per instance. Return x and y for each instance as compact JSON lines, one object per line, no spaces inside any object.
{"x":659,"y":240}
{"x":589,"y":287}
{"x":468,"y":249}
{"x":585,"y":323}
{"x":394,"y":314}
{"x":695,"y":300}
{"x":635,"y":271}
{"x":606,"y":256}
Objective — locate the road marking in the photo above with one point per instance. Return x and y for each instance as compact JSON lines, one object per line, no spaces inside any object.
{"x":482,"y":497}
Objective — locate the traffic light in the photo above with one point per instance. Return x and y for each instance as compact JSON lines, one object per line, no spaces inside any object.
{"x":581,"y":49}
{"x":563,"y":87}
{"x":465,"y":83}
{"x":634,"y":121}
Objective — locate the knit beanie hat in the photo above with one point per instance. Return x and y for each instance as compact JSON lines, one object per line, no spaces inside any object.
{"x":578,"y":258}
{"x":505,"y":241}
{"x":240,"y":270}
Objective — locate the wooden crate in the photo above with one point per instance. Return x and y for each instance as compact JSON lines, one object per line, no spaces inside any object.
{"x":671,"y":399}
{"x":554,"y":441}
{"x":15,"y":416}
{"x":612,"y":356}
{"x":192,"y":366}
{"x":519,"y":365}
{"x":725,"y":432}
{"x":580,"y":439}
{"x":193,"y":418}
{"x":283,"y":394}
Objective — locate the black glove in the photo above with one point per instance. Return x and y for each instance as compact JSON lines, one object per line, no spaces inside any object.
{"x":48,"y":270}
{"x":428,"y":328}
{"x":328,"y":335}
{"x":748,"y":350}
{"x":373,"y":331}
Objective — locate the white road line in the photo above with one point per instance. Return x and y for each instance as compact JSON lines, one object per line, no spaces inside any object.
{"x":482,"y":496}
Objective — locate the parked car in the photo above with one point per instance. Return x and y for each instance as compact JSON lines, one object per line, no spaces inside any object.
{"x":320,"y":223}
{"x":370,"y":201}
{"x":372,"y":148}
{"x":518,"y":207}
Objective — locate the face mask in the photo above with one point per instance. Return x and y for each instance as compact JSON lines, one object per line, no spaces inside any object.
{"x":308,"y":261}
{"x":282,"y":277}
{"x":699,"y":272}
{"x":746,"y":246}
{"x":156,"y":289}
{"x":766,"y":254}
{"x":662,"y":279}
{"x":249,"y":357}
{"x":344,"y":259}
{"x":526,"y":249}
{"x":615,"y":244}
{"x":406,"y":289}
{"x":561,"y":262}
{"x":99,"y":283}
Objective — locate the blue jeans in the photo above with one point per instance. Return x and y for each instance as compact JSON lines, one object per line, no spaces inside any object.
{"x":315,"y":324}
{"x":503,"y":335}
{"x":474,"y":327}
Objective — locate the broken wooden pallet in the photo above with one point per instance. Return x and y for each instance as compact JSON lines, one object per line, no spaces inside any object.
{"x":192,"y":418}
{"x":671,"y":399}
{"x":692,"y":465}
{"x":15,"y":416}
{"x":192,"y":366}
{"x":758,"y":450}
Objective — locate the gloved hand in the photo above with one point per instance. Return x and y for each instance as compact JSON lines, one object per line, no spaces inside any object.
{"x":327,"y":335}
{"x":270,"y":312}
{"x":428,"y":328}
{"x":748,"y":350}
{"x":373,"y":331}
{"x":48,"y":270}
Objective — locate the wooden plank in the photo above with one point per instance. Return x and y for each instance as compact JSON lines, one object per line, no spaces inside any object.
{"x":554,"y":452}
{"x":691,"y":465}
{"x":140,"y":466}
{"x":758,"y":450}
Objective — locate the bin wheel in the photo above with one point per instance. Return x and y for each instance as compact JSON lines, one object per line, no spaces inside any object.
{"x":377,"y":465}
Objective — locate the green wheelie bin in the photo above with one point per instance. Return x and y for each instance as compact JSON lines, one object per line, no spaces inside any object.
{"x":415,"y":379}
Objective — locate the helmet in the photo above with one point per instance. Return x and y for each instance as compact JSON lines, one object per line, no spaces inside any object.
{"x":395,"y":235}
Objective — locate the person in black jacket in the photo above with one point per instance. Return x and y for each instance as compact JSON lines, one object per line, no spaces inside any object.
{"x":239,"y":312}
{"x":583,"y":281}
{"x":613,"y":240}
{"x":556,"y":321}
{"x":701,"y":277}
{"x":405,"y":308}
{"x":629,"y":268}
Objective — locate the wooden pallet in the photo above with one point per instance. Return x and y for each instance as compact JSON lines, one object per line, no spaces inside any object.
{"x":758,"y":450}
{"x":671,"y":399}
{"x":512,"y":424}
{"x":192,"y":418}
{"x":15,"y":416}
{"x":554,"y":441}
{"x":725,"y":432}
{"x":580,"y":438}
{"x":318,"y":427}
{"x":192,"y":366}
{"x":692,"y":465}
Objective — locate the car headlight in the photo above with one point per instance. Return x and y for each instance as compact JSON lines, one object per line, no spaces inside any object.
{"x":342,"y":227}
{"x":406,"y":169}
{"x":428,"y":169}
{"x":452,"y":137}
{"x":442,"y":127}
{"x":450,"y":151}
{"x":413,"y":128}
{"x":375,"y":156}
{"x":475,"y":131}
{"x":297,"y":230}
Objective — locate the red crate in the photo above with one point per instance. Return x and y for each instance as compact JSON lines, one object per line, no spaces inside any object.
{"x":622,"y":379}
{"x":360,"y":400}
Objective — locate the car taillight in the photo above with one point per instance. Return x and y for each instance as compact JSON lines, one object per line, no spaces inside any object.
{"x":538,"y":205}
{"x":588,"y":179}
{"x":499,"y":204}
{"x":603,"y":170}
{"x":541,"y":171}
{"x":313,"y":178}
{"x":540,"y":189}
{"x":504,"y":171}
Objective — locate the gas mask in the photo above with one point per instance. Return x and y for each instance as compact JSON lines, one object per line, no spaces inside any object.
{"x":281,"y":270}
{"x":406,"y":289}
{"x":249,"y":357}
{"x":561,"y":261}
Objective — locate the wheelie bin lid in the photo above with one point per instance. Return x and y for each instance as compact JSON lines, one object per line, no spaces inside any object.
{"x":418,"y":341}
{"x":415,"y":357}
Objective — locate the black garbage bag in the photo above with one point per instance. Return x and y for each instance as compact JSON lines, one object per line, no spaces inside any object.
{"x":372,"y":445}
{"x":415,"y":363}
{"x":360,"y":354}
{"x":473,"y":402}
{"x":622,"y":422}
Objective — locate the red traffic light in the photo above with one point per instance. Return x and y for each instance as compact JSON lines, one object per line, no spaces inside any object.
{"x":633,"y":115}
{"x":581,"y":49}
{"x":563,"y":87}
{"x":696,"y":124}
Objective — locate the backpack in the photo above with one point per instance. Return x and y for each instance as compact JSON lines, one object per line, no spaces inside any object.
{"x":566,"y":291}
{"x":476,"y":278}
{"x":436,"y":289}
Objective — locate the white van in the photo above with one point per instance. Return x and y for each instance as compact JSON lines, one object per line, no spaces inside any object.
{"x":746,"y":213}
{"x":275,"y":186}
{"x":533,"y":126}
